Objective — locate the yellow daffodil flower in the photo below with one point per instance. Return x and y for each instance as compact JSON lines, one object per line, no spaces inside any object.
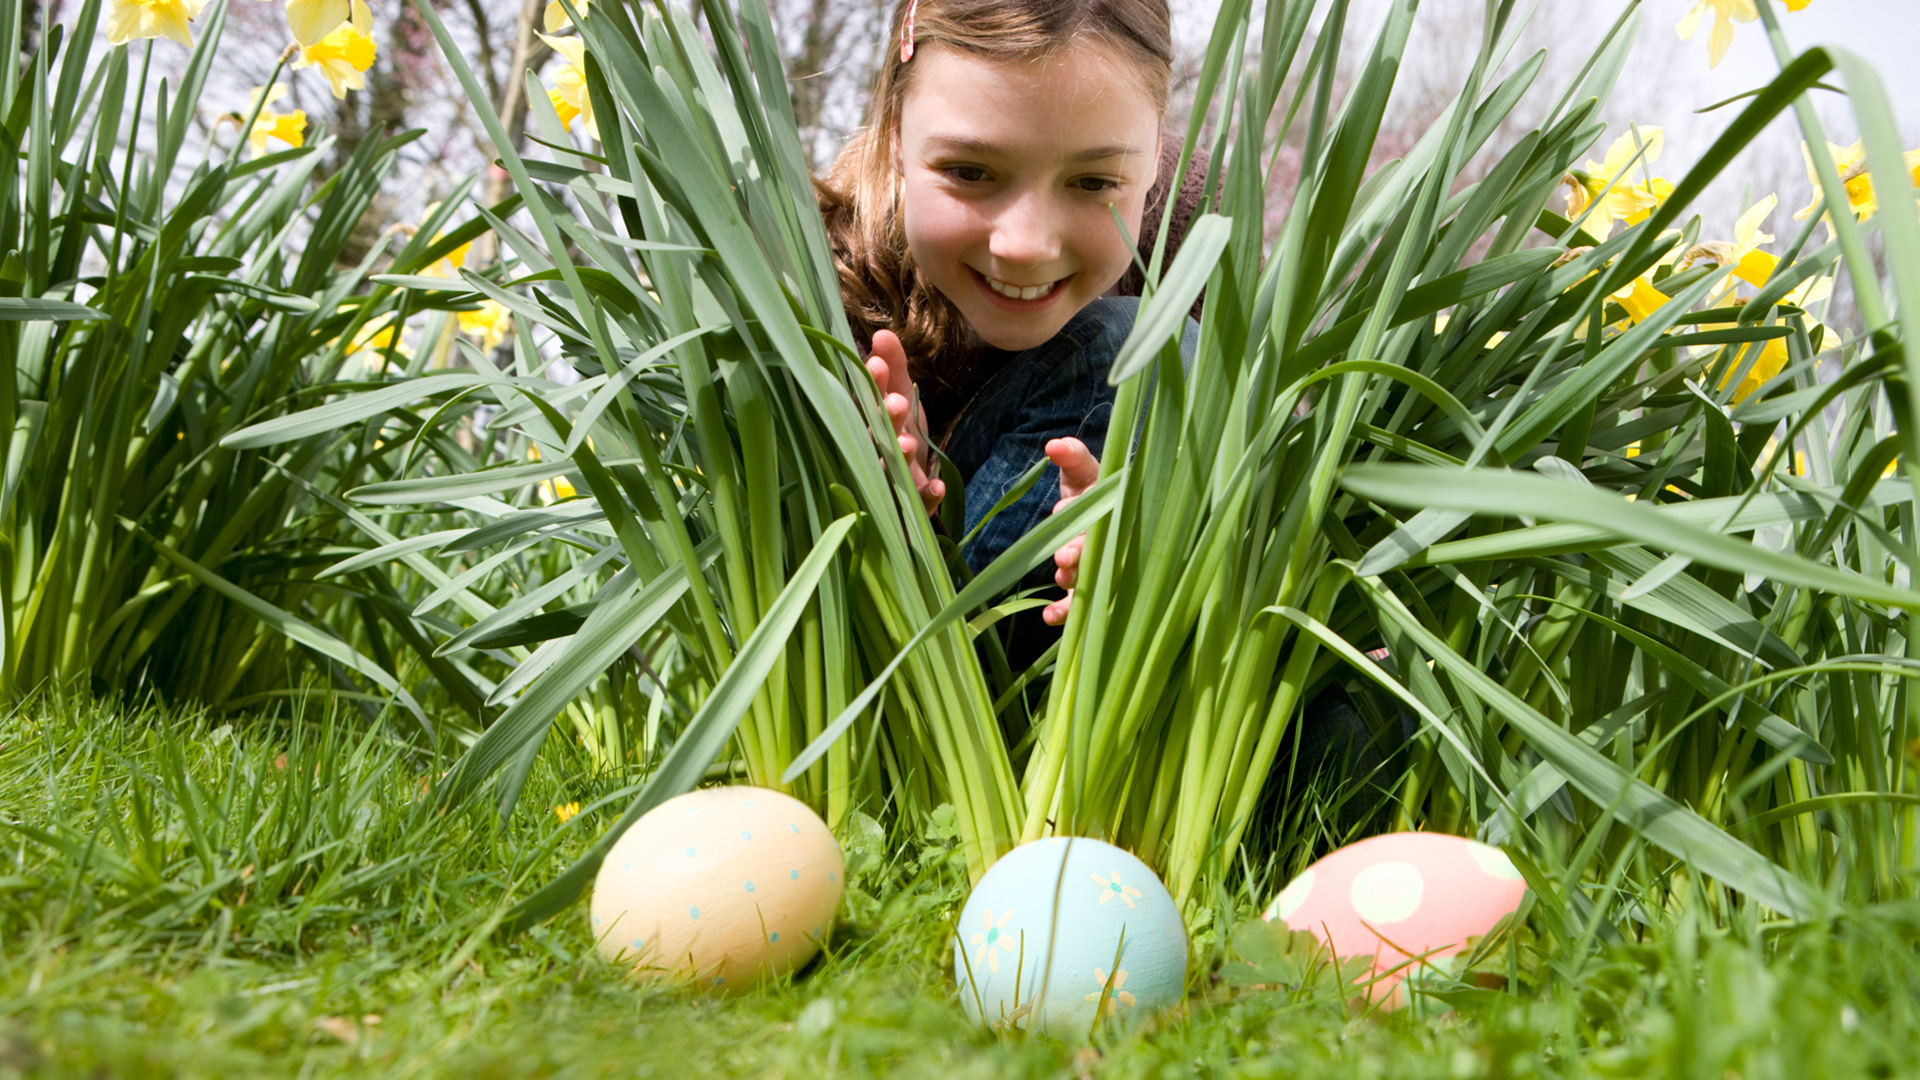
{"x":557,"y":488}
{"x":570,"y":85}
{"x":344,"y":53}
{"x":1771,"y":361}
{"x":1640,"y":299}
{"x":312,"y":20}
{"x":380,"y":338}
{"x":1749,"y":263}
{"x":448,"y":265}
{"x":556,"y":18}
{"x":343,"y":57}
{"x":490,"y":323}
{"x":1441,"y":321}
{"x":132,"y":19}
{"x":566,"y":811}
{"x":1724,"y":14}
{"x":373,"y":358}
{"x":1851,"y":163}
{"x":1633,"y":451}
{"x":1796,"y":462}
{"x":1773,"y":356}
{"x":562,"y":107}
{"x":373,"y":340}
{"x":289,"y":128}
{"x":1628,"y":202}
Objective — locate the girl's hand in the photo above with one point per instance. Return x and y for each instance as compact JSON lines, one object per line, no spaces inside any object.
{"x":1078,"y":471}
{"x":888,"y":366}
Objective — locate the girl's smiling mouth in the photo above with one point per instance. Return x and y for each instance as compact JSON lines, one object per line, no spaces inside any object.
{"x":1018,"y":297}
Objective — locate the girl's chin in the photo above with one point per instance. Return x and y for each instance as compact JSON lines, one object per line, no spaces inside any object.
{"x":1020,"y":338}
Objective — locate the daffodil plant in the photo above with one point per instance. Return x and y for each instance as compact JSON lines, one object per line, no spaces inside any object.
{"x":1490,"y":468}
{"x":157,"y":294}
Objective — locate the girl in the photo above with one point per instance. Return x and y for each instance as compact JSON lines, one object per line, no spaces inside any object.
{"x":979,"y":261}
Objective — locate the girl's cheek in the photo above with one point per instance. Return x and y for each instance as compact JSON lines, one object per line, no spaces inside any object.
{"x":1106,"y":249}
{"x":938,"y":221}
{"x":942,"y":218}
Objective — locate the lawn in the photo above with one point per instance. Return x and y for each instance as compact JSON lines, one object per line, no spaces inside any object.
{"x":191,"y":897}
{"x":1614,"y":549}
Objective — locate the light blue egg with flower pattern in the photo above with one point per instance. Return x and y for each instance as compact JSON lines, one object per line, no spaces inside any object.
{"x":1064,"y":931}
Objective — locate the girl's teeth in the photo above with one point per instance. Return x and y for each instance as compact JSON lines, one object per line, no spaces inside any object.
{"x":1015,"y":292}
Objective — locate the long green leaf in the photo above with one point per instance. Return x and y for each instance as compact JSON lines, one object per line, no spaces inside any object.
{"x":1655,"y":815}
{"x":705,"y":736}
{"x":1488,"y":491}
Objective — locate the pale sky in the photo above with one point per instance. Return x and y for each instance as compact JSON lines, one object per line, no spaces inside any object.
{"x":1885,"y":32}
{"x":1668,"y":78}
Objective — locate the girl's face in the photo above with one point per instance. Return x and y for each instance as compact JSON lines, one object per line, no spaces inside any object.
{"x":1009,"y":168}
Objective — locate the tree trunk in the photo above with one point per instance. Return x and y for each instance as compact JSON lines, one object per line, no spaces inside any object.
{"x":510,"y":104}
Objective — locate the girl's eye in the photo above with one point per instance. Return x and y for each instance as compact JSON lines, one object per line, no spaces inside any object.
{"x":1096,"y":184}
{"x":966,"y":174}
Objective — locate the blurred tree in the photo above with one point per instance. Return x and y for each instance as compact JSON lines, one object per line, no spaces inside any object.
{"x":30,"y":24}
{"x":528,"y":53}
{"x":831,"y":50}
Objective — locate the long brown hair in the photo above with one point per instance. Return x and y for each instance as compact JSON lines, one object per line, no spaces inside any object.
{"x":860,"y":196}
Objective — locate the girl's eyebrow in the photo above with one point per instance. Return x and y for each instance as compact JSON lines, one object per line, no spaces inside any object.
{"x":965,"y":145}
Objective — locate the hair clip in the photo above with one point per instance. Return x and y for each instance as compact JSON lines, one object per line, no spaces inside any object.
{"x":906,"y":34}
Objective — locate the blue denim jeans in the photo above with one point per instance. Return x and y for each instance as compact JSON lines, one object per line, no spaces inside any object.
{"x":1047,"y":392}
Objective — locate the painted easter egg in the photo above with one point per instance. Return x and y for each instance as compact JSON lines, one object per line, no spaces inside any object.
{"x":1405,"y":900}
{"x":1064,"y":931}
{"x":724,"y":886}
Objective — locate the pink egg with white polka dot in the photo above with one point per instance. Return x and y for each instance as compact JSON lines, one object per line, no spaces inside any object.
{"x":723,"y":886}
{"x":1403,"y":900}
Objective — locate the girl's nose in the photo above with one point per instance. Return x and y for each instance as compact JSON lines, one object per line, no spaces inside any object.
{"x":1026,"y":231}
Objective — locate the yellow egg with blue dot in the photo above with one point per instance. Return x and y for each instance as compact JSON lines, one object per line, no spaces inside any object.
{"x":1064,"y":932}
{"x":723,"y":887}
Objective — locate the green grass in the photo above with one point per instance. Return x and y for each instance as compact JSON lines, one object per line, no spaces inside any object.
{"x":175,"y":902}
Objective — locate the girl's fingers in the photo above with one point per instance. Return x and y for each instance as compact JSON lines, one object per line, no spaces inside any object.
{"x":1056,"y":613}
{"x":918,"y":462}
{"x":1079,"y":469}
{"x":887,"y":347}
{"x":1069,"y":553}
{"x":1067,"y":562}
{"x":931,"y":488}
{"x":888,"y":366}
